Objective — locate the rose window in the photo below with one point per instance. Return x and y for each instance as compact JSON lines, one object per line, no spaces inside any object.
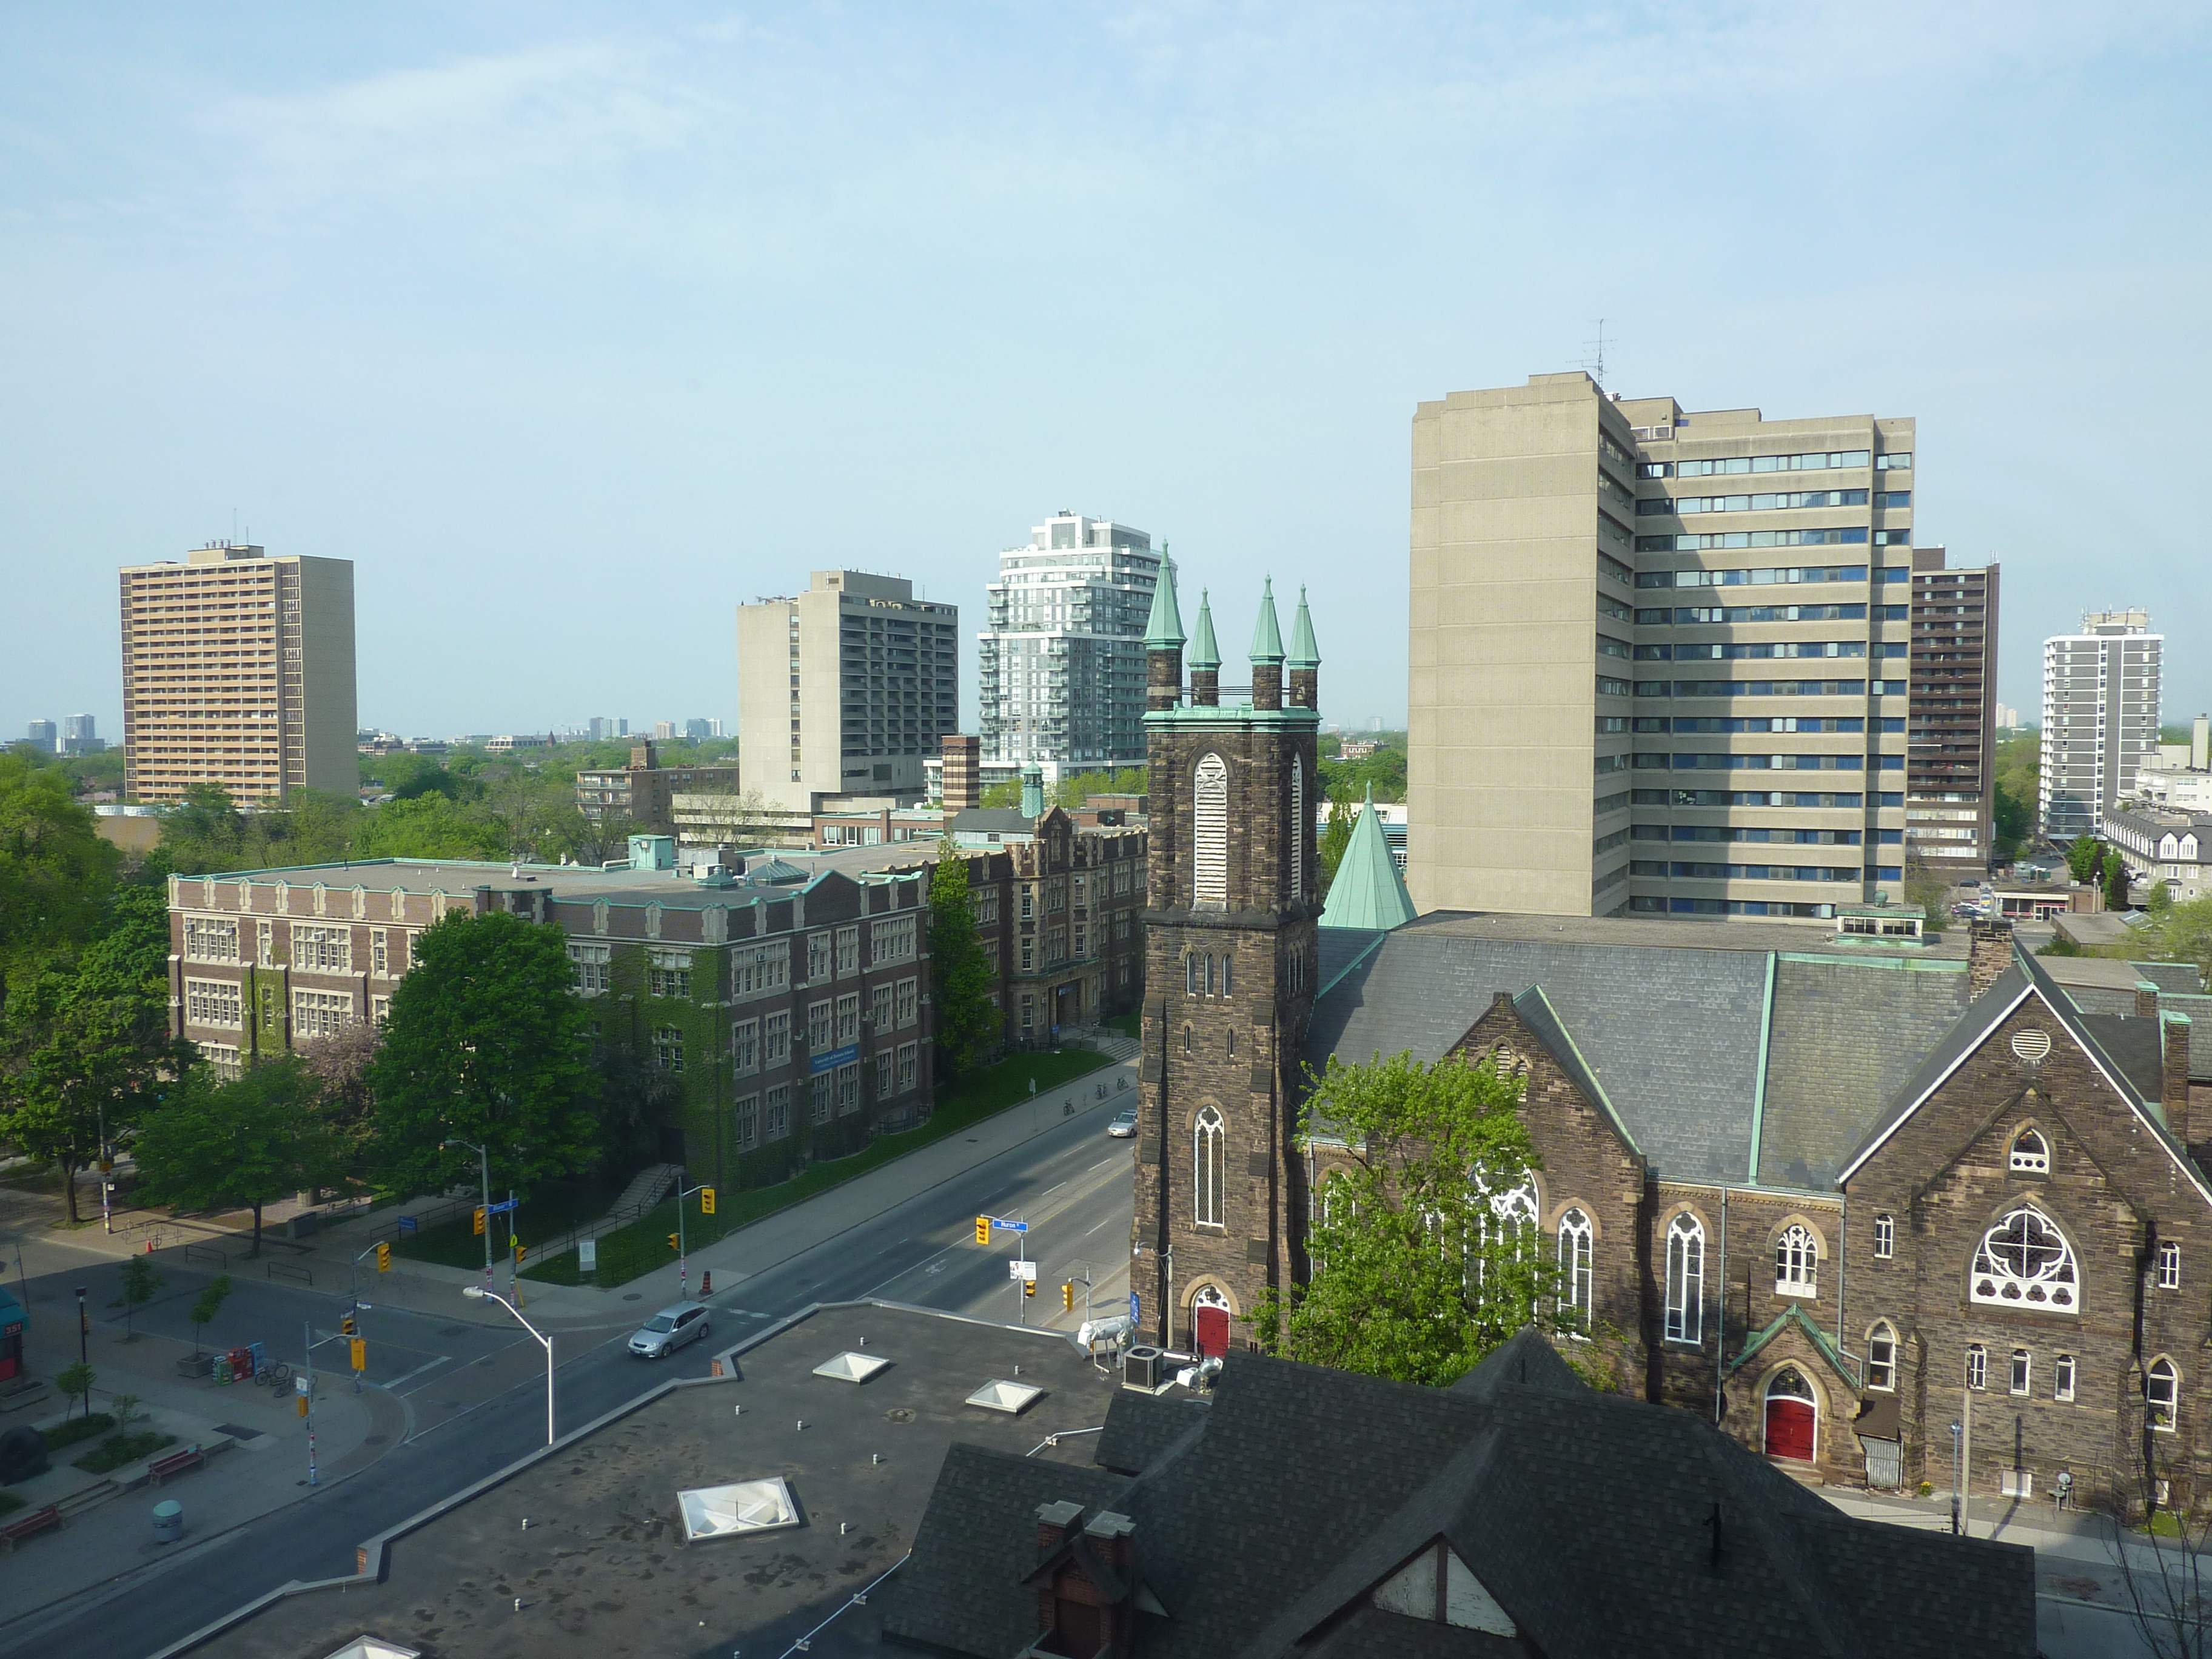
{"x":2024,"y":1262}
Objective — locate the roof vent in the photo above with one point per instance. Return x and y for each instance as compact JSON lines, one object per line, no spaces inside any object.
{"x":851,"y":1367}
{"x":2031,"y":1045}
{"x":746,"y":1506}
{"x":1011,"y":1398}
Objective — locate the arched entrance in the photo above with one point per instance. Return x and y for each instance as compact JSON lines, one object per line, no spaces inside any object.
{"x":1210,"y":1322}
{"x":1793,"y":1416}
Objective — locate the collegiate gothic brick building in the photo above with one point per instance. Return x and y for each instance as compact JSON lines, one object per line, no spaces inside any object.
{"x":1833,"y":1192}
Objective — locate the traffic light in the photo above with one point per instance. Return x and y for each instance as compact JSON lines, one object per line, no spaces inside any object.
{"x":348,"y":1325}
{"x":301,"y":1401}
{"x":706,"y":1201}
{"x":521,"y":1250}
{"x":1067,"y":1295}
{"x":982,"y":1229}
{"x":384,"y":1258}
{"x":360,"y":1355}
{"x":1029,"y":1287}
{"x":674,"y":1242}
{"x":480,"y":1221}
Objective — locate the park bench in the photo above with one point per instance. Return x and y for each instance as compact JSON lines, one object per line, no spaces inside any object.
{"x":175,"y":1463}
{"x":30,"y":1526}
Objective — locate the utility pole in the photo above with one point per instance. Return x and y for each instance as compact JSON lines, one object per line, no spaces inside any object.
{"x":682,"y":1244}
{"x":1958,"y":1463}
{"x":484,"y":1160}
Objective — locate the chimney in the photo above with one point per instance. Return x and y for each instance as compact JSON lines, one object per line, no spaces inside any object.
{"x":2174,"y":1079}
{"x":963,"y":772}
{"x":1053,"y":1522}
{"x":1989,"y":954}
{"x":2146,"y":1000}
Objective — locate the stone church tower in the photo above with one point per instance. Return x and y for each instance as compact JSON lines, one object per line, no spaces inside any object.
{"x":1230,"y":923}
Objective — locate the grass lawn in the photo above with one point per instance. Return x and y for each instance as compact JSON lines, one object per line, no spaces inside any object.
{"x":542,"y":1215}
{"x":118,"y":1449}
{"x":643,"y":1245}
{"x":76,"y":1429}
{"x":1129,"y":1025}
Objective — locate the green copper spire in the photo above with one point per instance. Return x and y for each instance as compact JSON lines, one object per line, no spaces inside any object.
{"x":1164,"y":631}
{"x":1268,"y":637}
{"x":1368,"y":891}
{"x":1204,"y":653}
{"x":1304,"y":653}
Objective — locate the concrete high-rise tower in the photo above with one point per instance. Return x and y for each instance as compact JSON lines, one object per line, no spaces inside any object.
{"x":1658,"y":658}
{"x":238,"y":670}
{"x":2100,"y":710}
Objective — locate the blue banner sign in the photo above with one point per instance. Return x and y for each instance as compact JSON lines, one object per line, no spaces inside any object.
{"x":834,"y":1058}
{"x":1009,"y":1226}
{"x":502,"y":1207}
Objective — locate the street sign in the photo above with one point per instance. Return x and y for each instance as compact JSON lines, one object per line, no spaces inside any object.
{"x":502,"y":1208}
{"x":1010,"y":1226}
{"x":299,"y":1383}
{"x":1025,"y":1270}
{"x":408,"y":1224}
{"x":1133,"y":1315}
{"x":587,"y":1255}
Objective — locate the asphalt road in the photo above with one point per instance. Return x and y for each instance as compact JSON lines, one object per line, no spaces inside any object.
{"x":1071,"y":1182}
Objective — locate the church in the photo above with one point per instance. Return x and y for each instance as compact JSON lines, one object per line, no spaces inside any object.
{"x":1835,"y":1192}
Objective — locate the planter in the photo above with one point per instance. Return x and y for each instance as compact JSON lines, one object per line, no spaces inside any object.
{"x":198,"y":1364}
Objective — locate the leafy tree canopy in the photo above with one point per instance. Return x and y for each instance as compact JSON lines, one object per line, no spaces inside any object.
{"x":428,"y":826}
{"x":1335,"y":836}
{"x":2083,"y":855}
{"x":55,"y":871}
{"x":2183,"y":933}
{"x":968,"y":1021}
{"x":1420,"y":1265}
{"x":487,"y":1043}
{"x":244,"y":1144}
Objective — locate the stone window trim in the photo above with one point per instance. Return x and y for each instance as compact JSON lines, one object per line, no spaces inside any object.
{"x":2025,"y":1261}
{"x":1885,"y":1236}
{"x":2063,"y":1377}
{"x":1209,"y":1182}
{"x":1576,"y":1237}
{"x":2162,"y":1393}
{"x":2028,"y":1153}
{"x":2168,"y":1273}
{"x":1558,"y":1214}
{"x":1799,"y":1249}
{"x":1978,"y":1367}
{"x":1684,"y":1305}
{"x":1881,"y":1357}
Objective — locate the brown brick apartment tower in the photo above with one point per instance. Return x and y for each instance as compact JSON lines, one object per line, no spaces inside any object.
{"x":1230,"y":913}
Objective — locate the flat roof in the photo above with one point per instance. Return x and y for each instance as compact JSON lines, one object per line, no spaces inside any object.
{"x":603,"y":1567}
{"x":1679,"y":933}
{"x":569,"y":882}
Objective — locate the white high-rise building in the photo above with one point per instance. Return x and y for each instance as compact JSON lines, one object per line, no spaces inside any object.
{"x":1062,"y":664}
{"x":2100,"y":708}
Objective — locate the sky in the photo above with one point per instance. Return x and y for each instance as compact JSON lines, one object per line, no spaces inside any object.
{"x":575,"y":326}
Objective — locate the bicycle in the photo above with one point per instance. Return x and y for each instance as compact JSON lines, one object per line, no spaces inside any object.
{"x":277,"y":1376}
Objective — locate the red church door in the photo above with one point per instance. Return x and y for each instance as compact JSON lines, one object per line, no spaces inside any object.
{"x":1212,"y":1322}
{"x":1791,"y":1417}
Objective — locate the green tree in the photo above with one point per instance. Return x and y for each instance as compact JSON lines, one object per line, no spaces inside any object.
{"x":1002,"y":797}
{"x":77,"y":1378}
{"x":2117,"y":880}
{"x":2159,"y":899}
{"x":1335,"y":836}
{"x":1929,"y":891}
{"x":1418,"y":1272}
{"x":428,"y":826}
{"x":88,"y":1047}
{"x":486,"y":1042}
{"x":141,"y":1285}
{"x":55,"y":871}
{"x":2013,"y":819}
{"x":2083,"y":855}
{"x":237,"y":1145}
{"x":960,"y":977}
{"x":2183,"y":934}
{"x":208,"y":1306}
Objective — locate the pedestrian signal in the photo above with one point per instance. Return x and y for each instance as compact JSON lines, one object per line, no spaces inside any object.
{"x":706,"y":1201}
{"x":480,"y":1221}
{"x":347,"y":1325}
{"x":673,"y":1243}
{"x":360,"y":1354}
{"x":384,"y":1258}
{"x":1029,"y":1287}
{"x":302,"y":1400}
{"x":521,"y":1250}
{"x":1067,"y":1295}
{"x":982,"y":1229}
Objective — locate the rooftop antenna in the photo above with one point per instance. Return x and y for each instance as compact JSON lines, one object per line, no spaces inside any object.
{"x":1595,"y":362}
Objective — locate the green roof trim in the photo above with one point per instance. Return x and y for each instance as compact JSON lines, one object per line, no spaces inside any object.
{"x":1266,"y":635}
{"x":1759,"y":1088}
{"x":1235,"y":715}
{"x":1797,"y":1315}
{"x":1163,"y":632}
{"x":1368,"y":891}
{"x":1543,"y":1018}
{"x":1204,"y":653}
{"x":1304,"y":653}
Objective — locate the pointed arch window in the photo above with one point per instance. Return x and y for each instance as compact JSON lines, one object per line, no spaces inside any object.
{"x":1208,"y":981}
{"x":1298,"y":827}
{"x":1881,"y":1357}
{"x":1575,"y":1277}
{"x":1797,"y":1262}
{"x":1209,"y":834}
{"x":2162,"y":1394}
{"x":1190,"y":975}
{"x":1208,"y":1139}
{"x":1686,"y":1279}
{"x":2030,"y":1154}
{"x":1225,"y":961}
{"x":2025,"y":1261}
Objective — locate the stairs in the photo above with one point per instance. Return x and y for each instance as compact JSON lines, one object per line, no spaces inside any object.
{"x":85,"y":1497}
{"x":647,"y":1188}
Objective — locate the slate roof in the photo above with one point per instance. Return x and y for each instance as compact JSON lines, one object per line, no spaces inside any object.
{"x":993,"y":820}
{"x":1141,"y":1427}
{"x":1535,"y":1008}
{"x":1338,"y":949}
{"x":1845,"y":1035}
{"x":1588,"y":1516}
{"x":2182,"y":977}
{"x":1671,"y":1032}
{"x":2134,"y":1047}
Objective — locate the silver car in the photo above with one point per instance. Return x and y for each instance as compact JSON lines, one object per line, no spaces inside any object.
{"x":1122,"y":1126}
{"x":670,"y":1329}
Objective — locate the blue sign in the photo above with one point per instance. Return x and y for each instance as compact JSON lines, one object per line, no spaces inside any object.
{"x":502,"y":1208}
{"x":1009,"y":1226}
{"x":408,"y":1224}
{"x":834,"y":1058}
{"x":1135,"y":1318}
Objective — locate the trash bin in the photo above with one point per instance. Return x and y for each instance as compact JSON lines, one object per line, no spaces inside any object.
{"x":169,"y":1520}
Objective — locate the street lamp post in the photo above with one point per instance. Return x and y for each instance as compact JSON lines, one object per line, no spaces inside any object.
{"x":484,"y":1160}
{"x":1956,"y":1430}
{"x":84,"y":1344}
{"x":544,"y":1341}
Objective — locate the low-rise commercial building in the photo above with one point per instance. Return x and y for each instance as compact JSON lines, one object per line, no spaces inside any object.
{"x":644,"y":792}
{"x":793,"y":1017}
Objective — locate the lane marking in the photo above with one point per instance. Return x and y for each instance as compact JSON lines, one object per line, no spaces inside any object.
{"x":903,"y":1272}
{"x":1050,"y":1190}
{"x":392,"y":1387}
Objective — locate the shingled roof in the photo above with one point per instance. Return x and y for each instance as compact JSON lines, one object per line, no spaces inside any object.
{"x":1585,"y":1522}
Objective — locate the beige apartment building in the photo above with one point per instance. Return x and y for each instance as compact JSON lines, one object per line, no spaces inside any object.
{"x":843,"y":690}
{"x":1659,"y":657}
{"x":238,"y":670}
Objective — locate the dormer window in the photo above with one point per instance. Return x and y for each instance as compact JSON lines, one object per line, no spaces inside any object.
{"x":2030,"y":1154}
